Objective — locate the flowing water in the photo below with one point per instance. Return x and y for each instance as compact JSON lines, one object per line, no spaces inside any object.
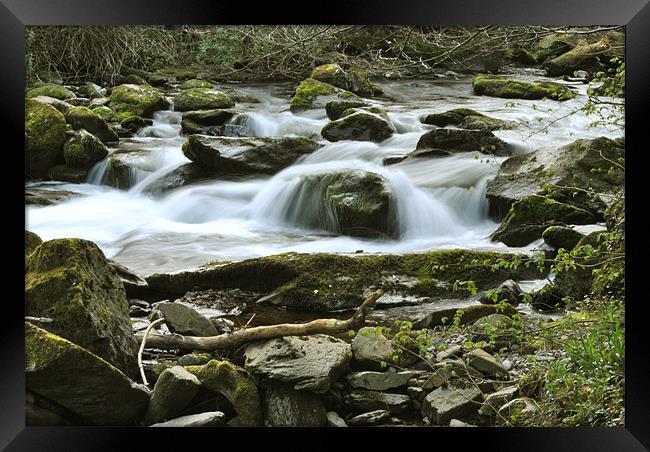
{"x":440,"y":202}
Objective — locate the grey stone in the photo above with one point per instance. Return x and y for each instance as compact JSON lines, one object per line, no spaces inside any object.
{"x":447,"y":403}
{"x":370,"y":418}
{"x":457,"y":423}
{"x":361,"y":400}
{"x":286,"y":407}
{"x":455,"y":351}
{"x":484,"y":362}
{"x":182,"y":319}
{"x":334,"y":420}
{"x":174,"y":389}
{"x":307,"y":362}
{"x":380,"y":381}
{"x":370,"y":348}
{"x":496,"y":400}
{"x":208,"y":419}
{"x":523,"y":406}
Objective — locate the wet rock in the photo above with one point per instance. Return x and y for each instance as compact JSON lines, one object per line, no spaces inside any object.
{"x":286,"y":407}
{"x":380,"y":381}
{"x":307,"y":362}
{"x":64,"y":173}
{"x":498,"y":86}
{"x":363,"y":401}
{"x":393,"y":159}
{"x":243,"y":156}
{"x":201,"y":99}
{"x":44,"y":138}
{"x":508,"y":290}
{"x":496,"y":400}
{"x":466,"y":118}
{"x":361,"y":125}
{"x":487,"y":364}
{"x":561,"y":237}
{"x":460,"y":140}
{"x":85,"y":118}
{"x":32,"y":241}
{"x":136,"y":100}
{"x":182,"y":319}
{"x":447,"y":403}
{"x":135,"y":123}
{"x":370,"y":348}
{"x":335,"y":108}
{"x":80,"y":381}
{"x":207,"y":122}
{"x":311,"y":94}
{"x":174,"y":390}
{"x":334,"y":420}
{"x":531,"y":216}
{"x":236,"y":385}
{"x":70,"y":281}
{"x":185,"y":174}
{"x":51,"y":90}
{"x":208,"y":419}
{"x":371,"y":418}
{"x":46,"y":197}
{"x":570,"y":165}
{"x":83,"y":150}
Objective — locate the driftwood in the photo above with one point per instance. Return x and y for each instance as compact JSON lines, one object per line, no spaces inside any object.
{"x":230,"y":341}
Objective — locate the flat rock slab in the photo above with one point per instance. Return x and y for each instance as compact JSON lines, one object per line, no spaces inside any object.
{"x":380,"y":381}
{"x":487,"y":364}
{"x":370,"y":418}
{"x":208,"y":419}
{"x":307,"y":362}
{"x":447,"y":403}
{"x":361,"y":400}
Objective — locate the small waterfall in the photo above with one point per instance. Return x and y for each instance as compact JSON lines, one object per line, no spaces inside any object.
{"x":97,"y":172}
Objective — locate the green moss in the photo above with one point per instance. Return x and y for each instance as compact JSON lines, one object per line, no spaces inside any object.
{"x":308,"y":91}
{"x":325,"y":71}
{"x":509,"y":89}
{"x":135,"y":100}
{"x":201,"y":99}
{"x":50,"y":90}
{"x":236,"y":385}
{"x":85,"y":118}
{"x":83,"y":150}
{"x":31,"y":242}
{"x":44,"y":137}
{"x":104,"y":112}
{"x":194,"y":83}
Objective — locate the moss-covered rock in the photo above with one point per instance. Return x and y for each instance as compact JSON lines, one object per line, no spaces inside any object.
{"x":180,"y":177}
{"x":585,"y":57}
{"x":195,"y":83}
{"x":201,"y":99}
{"x":359,"y":83}
{"x":83,"y":150}
{"x":51,"y":90}
{"x":236,"y":385}
{"x":90,"y":91}
{"x":461,"y":140}
{"x":60,"y":105}
{"x":335,"y":108}
{"x":103,"y":112}
{"x":80,"y":381}
{"x":584,"y":164}
{"x":531,"y":216}
{"x":32,"y":240}
{"x":561,"y":237}
{"x":523,"y":57}
{"x":332,"y":74}
{"x":355,"y":79}
{"x":136,"y":100}
{"x":70,"y":281}
{"x":496,"y":86}
{"x":44,"y":138}
{"x":243,"y":156}
{"x":135,"y":123}
{"x":466,"y":118}
{"x":312,"y":94}
{"x":85,"y":118}
{"x":360,"y":125}
{"x":331,"y":281}
{"x":206,"y":122}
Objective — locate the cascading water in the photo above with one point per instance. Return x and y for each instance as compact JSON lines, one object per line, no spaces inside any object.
{"x":437,"y":202}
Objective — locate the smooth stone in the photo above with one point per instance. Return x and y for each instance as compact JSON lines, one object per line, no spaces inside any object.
{"x":173,"y":391}
{"x":370,"y":418}
{"x":208,"y":419}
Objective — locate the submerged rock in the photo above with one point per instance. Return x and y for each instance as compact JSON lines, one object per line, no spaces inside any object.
{"x":466,"y":118}
{"x":312,"y":94}
{"x":286,"y":407}
{"x":136,"y":100}
{"x":497,"y":86}
{"x":44,"y":138}
{"x":201,"y":99}
{"x":183,"y":175}
{"x":460,"y":140}
{"x":243,"y":156}
{"x":70,"y":281}
{"x":80,"y":381}
{"x":307,"y":362}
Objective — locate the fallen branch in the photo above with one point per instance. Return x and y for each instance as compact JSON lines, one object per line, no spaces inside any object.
{"x":144,"y":340}
{"x":234,"y":340}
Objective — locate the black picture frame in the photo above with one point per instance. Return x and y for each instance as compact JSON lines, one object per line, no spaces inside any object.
{"x":634,"y":14}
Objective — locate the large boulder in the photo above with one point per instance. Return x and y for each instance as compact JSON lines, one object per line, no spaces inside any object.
{"x":236,"y":385}
{"x":244,"y":156}
{"x":590,"y":57}
{"x":83,"y":150}
{"x":80,"y":381}
{"x":174,"y":390}
{"x":70,"y":281}
{"x":206,"y":122}
{"x":307,"y":362}
{"x":561,"y":237}
{"x":447,"y":403}
{"x":531,"y":216}
{"x":44,"y":138}
{"x":312,"y":94}
{"x":60,"y":105}
{"x":460,"y":140}
{"x":466,"y":118}
{"x":91,"y":91}
{"x":335,"y":108}
{"x":136,"y":100}
{"x":583,"y":164}
{"x":286,"y":407}
{"x":355,"y":79}
{"x":201,"y":99}
{"x":498,"y":86}
{"x":52,"y":90}
{"x":361,"y":125}
{"x":182,"y":319}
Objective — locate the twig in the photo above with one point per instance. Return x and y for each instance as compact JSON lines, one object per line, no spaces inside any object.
{"x":142,"y":344}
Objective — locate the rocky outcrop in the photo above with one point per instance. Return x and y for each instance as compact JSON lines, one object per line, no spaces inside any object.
{"x":498,"y":86}
{"x":449,"y":141}
{"x":244,"y":156}
{"x":44,"y":138}
{"x":80,"y":381}
{"x":583,"y":164}
{"x":307,"y":362}
{"x":201,"y":99}
{"x":70,"y":281}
